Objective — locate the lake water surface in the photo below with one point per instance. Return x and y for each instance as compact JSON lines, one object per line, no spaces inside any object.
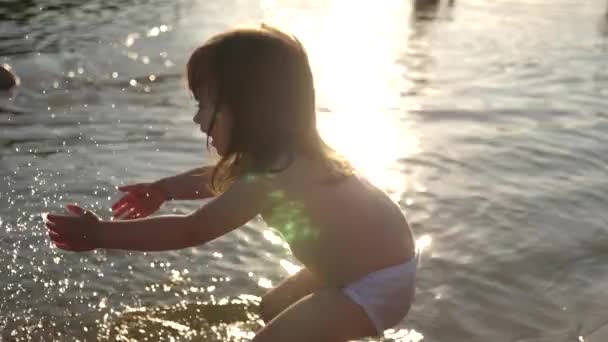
{"x":485,"y":120}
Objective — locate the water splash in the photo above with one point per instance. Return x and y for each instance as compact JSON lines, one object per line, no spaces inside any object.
{"x":227,"y":319}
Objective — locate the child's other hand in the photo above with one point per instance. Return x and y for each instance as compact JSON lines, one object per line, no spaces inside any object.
{"x":140,"y":200}
{"x":74,"y":232}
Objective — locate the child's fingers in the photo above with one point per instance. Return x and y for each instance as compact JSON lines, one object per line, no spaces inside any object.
{"x":134,"y":214}
{"x":122,"y":210}
{"x":62,"y":245}
{"x":62,"y":223}
{"x":129,"y":202}
{"x":123,"y":214}
{"x":48,"y":223}
{"x":56,"y":231}
{"x":54,"y":235}
{"x":74,"y":209}
{"x":124,"y":199}
{"x":140,"y":211}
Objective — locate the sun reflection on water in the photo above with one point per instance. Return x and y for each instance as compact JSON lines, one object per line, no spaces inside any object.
{"x":423,"y":242}
{"x":354,"y":48}
{"x":290,"y":267}
{"x":403,"y":335}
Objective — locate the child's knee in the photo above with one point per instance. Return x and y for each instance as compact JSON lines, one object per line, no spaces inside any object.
{"x":286,"y":293}
{"x":267,"y":310}
{"x":275,"y":301}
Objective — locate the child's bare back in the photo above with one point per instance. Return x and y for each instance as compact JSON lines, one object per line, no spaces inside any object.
{"x":340,"y":231}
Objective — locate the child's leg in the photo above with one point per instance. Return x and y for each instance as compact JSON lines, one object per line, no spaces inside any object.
{"x":327,"y":315}
{"x":288,"y":292}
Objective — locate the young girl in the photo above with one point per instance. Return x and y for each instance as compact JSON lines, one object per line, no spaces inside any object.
{"x":256,"y":102}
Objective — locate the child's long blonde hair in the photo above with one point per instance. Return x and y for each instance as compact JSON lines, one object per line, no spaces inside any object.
{"x":263,"y":78}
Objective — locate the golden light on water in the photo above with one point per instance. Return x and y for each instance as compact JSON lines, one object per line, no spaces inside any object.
{"x":423,"y":242}
{"x":265,"y":283}
{"x":403,"y":335}
{"x":354,"y":47}
{"x":373,"y":144}
{"x":290,"y":267}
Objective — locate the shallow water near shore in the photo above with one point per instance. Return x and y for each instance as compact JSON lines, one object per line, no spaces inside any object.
{"x":485,"y":120}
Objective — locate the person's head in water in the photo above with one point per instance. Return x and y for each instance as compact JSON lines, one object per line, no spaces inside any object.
{"x":256,"y":101}
{"x":7,"y":79}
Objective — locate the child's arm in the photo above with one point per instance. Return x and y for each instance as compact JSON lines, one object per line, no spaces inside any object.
{"x":239,"y":204}
{"x":143,"y":199}
{"x":190,"y":185}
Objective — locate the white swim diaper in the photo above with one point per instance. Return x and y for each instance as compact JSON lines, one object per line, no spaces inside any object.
{"x":386,"y":295}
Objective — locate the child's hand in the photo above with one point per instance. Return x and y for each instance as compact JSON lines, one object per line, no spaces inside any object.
{"x":73,"y":232}
{"x":140,"y":200}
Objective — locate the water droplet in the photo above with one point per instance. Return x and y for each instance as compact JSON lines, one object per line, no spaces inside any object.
{"x":153,"y":32}
{"x":290,"y":267}
{"x":265,"y":283}
{"x":103,"y":303}
{"x":423,"y":242}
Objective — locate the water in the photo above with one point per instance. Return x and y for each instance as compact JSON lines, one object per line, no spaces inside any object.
{"x":485,"y":120}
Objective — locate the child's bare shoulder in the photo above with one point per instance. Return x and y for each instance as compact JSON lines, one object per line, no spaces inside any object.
{"x":306,"y":180}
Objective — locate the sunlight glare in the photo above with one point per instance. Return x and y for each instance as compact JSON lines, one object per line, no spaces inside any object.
{"x":353,"y":48}
{"x":290,"y":267}
{"x":423,"y":242}
{"x":360,"y":82}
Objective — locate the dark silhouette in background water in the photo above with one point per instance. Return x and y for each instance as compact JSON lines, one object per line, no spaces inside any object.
{"x":428,"y":9}
{"x":7,"y":79}
{"x":418,"y":57}
{"x":604,"y":22}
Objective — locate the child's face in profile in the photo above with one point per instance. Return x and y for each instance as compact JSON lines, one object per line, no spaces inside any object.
{"x":220,"y":133}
